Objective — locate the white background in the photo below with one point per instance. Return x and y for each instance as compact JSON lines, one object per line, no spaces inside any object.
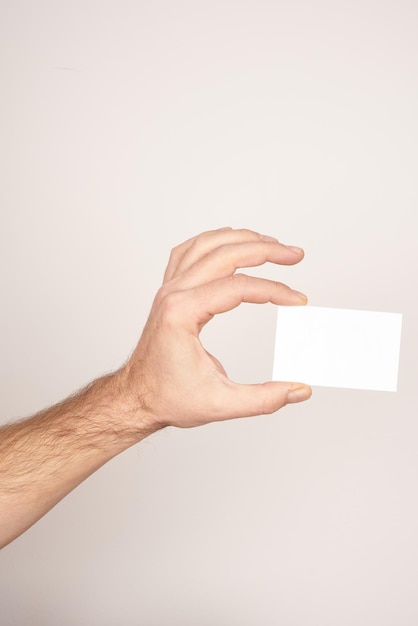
{"x":126,"y":127}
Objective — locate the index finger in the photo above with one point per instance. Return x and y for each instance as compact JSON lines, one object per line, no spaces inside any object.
{"x":206,"y":301}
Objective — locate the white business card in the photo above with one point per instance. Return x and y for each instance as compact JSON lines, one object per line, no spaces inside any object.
{"x":337,"y":347}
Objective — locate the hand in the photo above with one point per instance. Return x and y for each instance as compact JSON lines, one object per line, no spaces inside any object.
{"x":170,"y":378}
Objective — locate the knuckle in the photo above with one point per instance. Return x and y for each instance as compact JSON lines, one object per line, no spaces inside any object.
{"x":196,"y":244}
{"x":160,"y":295}
{"x":172,"y":308}
{"x":270,"y":403}
{"x":174,"y":254}
{"x":246,"y":232}
{"x":239,"y":281}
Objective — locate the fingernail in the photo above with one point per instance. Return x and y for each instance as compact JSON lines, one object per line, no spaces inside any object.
{"x":301,"y":295}
{"x":295,"y":249}
{"x":298,"y":393}
{"x":268,"y":238}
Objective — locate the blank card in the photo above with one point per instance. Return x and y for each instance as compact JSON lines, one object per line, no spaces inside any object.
{"x":337,"y":347}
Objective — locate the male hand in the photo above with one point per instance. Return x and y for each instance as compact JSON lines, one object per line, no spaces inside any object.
{"x":170,"y":378}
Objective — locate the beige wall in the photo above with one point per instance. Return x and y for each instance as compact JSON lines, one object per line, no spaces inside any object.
{"x":125,"y":128}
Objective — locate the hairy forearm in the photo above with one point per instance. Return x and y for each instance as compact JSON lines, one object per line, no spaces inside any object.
{"x":42,"y":458}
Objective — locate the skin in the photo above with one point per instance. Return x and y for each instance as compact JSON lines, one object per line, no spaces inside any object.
{"x":169,"y":380}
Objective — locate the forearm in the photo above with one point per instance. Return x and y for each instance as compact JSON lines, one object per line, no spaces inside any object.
{"x":44,"y":457}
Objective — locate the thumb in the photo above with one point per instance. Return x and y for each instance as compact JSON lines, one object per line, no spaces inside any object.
{"x":264,"y":398}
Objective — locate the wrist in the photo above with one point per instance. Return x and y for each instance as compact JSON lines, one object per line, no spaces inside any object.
{"x":131,"y":417}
